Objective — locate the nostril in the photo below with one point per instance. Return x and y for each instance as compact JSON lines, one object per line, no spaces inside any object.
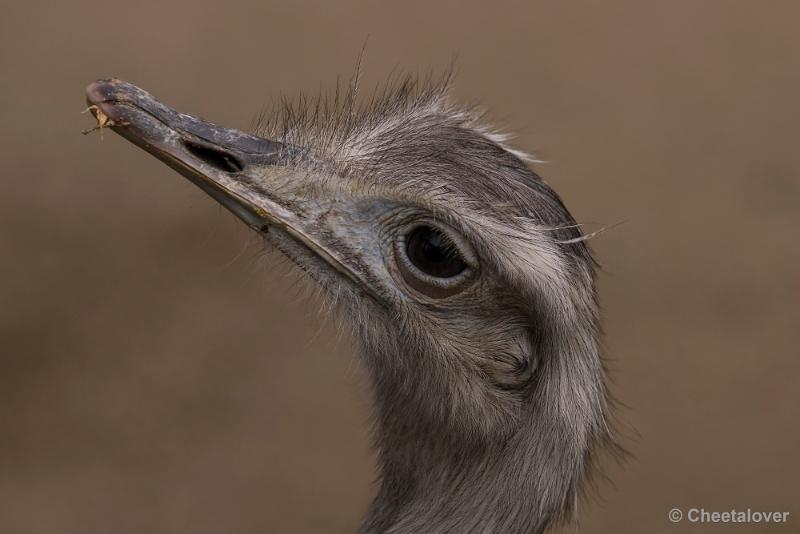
{"x":215,"y":157}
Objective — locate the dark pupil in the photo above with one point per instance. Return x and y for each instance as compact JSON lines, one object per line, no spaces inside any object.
{"x":432,"y":253}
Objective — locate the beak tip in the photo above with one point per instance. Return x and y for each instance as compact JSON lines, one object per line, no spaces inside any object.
{"x":100,"y":91}
{"x":102,"y":94}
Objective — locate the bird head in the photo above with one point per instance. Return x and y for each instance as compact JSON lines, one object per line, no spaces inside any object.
{"x":466,"y":280}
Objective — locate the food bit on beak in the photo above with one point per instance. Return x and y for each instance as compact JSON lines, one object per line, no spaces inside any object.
{"x":102,"y":120}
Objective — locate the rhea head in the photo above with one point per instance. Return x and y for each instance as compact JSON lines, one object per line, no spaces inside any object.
{"x":468,"y":285}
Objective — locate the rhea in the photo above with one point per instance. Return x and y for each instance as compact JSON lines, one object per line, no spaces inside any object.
{"x":468,"y":285}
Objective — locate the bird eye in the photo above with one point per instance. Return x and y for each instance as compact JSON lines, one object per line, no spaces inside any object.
{"x":432,"y":253}
{"x":431,"y":262}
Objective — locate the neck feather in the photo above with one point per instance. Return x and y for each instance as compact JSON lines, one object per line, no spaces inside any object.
{"x":432,"y":482}
{"x":435,"y":478}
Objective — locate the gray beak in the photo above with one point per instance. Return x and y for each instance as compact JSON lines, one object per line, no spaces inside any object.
{"x":212,"y":157}
{"x":223,"y":162}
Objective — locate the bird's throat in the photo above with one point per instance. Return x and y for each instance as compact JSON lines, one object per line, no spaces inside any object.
{"x":424,"y":489}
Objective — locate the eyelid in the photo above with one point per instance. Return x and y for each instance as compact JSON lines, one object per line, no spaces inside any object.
{"x":425,"y":284}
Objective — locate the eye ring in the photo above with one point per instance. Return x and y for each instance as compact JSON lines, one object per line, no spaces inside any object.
{"x":434,"y":260}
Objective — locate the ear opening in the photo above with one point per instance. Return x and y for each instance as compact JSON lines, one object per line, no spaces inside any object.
{"x":514,"y":368}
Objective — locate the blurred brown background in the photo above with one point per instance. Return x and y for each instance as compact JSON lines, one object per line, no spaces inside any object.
{"x":158,"y":375}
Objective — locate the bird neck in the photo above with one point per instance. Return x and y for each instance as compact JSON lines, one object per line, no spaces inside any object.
{"x":437,"y":477}
{"x":428,"y":485}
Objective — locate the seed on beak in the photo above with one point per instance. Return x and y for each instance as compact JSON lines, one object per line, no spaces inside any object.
{"x":102,"y":120}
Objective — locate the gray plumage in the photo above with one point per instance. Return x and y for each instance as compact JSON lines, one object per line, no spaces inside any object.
{"x":490,"y":399}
